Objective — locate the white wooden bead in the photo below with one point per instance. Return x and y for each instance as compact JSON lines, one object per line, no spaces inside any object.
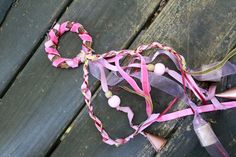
{"x":159,"y":69}
{"x":114,"y":101}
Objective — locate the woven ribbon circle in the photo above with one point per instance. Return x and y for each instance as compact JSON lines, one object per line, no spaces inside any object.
{"x":53,"y":39}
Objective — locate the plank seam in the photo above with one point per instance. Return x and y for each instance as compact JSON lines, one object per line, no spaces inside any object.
{"x":148,"y":22}
{"x":24,"y":63}
{"x":7,"y":12}
{"x":70,"y":124}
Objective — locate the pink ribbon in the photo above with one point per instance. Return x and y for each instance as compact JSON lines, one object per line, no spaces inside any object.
{"x":110,"y":61}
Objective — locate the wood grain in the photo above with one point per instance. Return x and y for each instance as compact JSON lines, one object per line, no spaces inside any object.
{"x":43,"y":100}
{"x":196,"y":29}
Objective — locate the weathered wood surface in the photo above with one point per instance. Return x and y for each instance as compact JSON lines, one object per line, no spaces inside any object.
{"x":203,"y":31}
{"x":43,"y":100}
{"x":4,"y":7}
{"x":22,"y":30}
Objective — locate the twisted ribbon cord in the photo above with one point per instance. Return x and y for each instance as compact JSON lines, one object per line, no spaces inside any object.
{"x":105,"y":60}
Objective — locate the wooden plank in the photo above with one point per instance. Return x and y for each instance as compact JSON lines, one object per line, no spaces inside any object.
{"x":43,"y":100}
{"x":21,"y":31}
{"x":4,"y":7}
{"x":185,"y":25}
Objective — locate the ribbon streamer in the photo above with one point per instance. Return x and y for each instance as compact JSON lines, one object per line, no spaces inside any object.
{"x":106,"y":68}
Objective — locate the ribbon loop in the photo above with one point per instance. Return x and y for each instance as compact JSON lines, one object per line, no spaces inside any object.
{"x":52,"y":43}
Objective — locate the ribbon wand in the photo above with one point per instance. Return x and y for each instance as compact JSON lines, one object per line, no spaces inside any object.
{"x":100,"y":65}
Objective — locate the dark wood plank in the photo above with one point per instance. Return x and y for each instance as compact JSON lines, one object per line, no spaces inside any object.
{"x":194,"y":29}
{"x":43,"y":100}
{"x":4,"y":7}
{"x":21,"y":31}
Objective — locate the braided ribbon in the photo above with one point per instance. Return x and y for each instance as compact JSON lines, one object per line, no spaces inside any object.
{"x":106,"y":67}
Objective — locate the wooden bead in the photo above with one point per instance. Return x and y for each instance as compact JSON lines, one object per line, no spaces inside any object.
{"x":159,"y":69}
{"x":150,"y":67}
{"x":114,"y":101}
{"x":108,"y":94}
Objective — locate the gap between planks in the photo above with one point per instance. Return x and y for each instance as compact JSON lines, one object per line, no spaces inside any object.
{"x":6,"y":13}
{"x":24,"y":63}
